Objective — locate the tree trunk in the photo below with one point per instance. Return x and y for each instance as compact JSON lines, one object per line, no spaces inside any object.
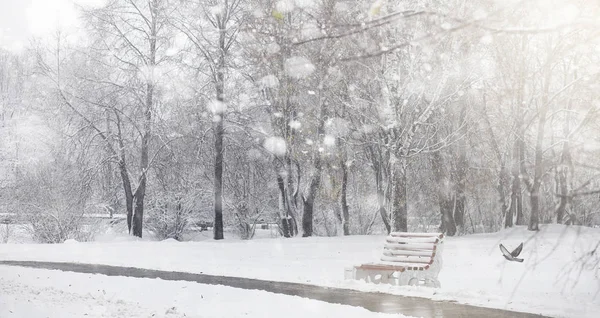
{"x":109,"y":195}
{"x":309,"y":200}
{"x":382,"y":199}
{"x":515,"y":192}
{"x":563,"y":195}
{"x":376,"y":163}
{"x":128,"y":193}
{"x":343,"y":199}
{"x":291,"y":196}
{"x":400,"y":207}
{"x":460,"y":175}
{"x":219,"y":131}
{"x":448,"y":224}
{"x":315,"y":180}
{"x":535,"y":208}
{"x":218,"y":184}
{"x":283,"y":215}
{"x":140,"y":192}
{"x":307,"y":216}
{"x":502,"y":181}
{"x":123,"y":171}
{"x":564,"y":170}
{"x":520,"y":141}
{"x":459,"y":208}
{"x":138,"y":215}
{"x":534,"y":218}
{"x":287,"y":205}
{"x":445,"y":200}
{"x":503,"y":177}
{"x":520,"y":214}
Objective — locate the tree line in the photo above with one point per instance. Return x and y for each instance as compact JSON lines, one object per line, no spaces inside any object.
{"x":327,"y":117}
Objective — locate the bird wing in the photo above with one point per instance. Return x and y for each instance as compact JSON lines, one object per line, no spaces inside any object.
{"x":505,"y":251}
{"x":517,"y":250}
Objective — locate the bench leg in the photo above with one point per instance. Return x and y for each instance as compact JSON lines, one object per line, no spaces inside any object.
{"x":368,"y":276}
{"x":387,"y":277}
{"x":361,"y":274}
{"x":394,"y":278}
{"x":414,"y":281}
{"x":374,"y":276}
{"x":402,"y":279}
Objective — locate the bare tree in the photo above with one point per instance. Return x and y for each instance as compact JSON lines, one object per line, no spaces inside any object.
{"x":133,"y":33}
{"x":213,"y":39}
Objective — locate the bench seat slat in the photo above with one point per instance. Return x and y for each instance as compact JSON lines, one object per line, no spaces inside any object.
{"x":392,"y":239}
{"x":407,"y":259}
{"x":404,"y":234}
{"x":394,"y":252}
{"x":410,"y":246}
{"x":397,"y":267}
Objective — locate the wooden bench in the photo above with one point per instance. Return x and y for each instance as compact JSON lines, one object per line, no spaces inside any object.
{"x":407,"y":259}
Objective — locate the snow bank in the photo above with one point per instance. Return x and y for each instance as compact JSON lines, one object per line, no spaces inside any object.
{"x":551,"y":281}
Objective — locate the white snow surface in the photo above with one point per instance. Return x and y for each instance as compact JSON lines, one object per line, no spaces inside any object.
{"x":37,"y":293}
{"x":551,"y":281}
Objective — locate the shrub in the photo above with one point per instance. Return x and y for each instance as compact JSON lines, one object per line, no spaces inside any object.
{"x":170,"y":216}
{"x":245,"y":221}
{"x":53,"y":201}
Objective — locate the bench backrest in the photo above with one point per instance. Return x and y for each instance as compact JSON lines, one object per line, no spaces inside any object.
{"x":412,"y":248}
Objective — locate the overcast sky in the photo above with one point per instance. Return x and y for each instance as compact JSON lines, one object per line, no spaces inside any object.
{"x":21,"y":19}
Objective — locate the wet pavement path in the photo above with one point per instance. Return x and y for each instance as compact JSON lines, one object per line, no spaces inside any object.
{"x":377,"y":302}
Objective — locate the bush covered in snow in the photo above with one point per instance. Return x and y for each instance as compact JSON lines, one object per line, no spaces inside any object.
{"x":245,"y":221}
{"x":170,"y":216}
{"x":53,"y":200}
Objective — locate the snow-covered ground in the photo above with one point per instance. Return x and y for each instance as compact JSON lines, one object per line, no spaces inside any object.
{"x":551,"y":281}
{"x":36,"y":293}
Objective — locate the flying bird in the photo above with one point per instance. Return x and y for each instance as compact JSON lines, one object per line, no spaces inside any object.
{"x":512,"y":256}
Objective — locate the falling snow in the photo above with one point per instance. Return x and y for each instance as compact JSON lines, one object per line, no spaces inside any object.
{"x":276,"y":146}
{"x":299,"y":67}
